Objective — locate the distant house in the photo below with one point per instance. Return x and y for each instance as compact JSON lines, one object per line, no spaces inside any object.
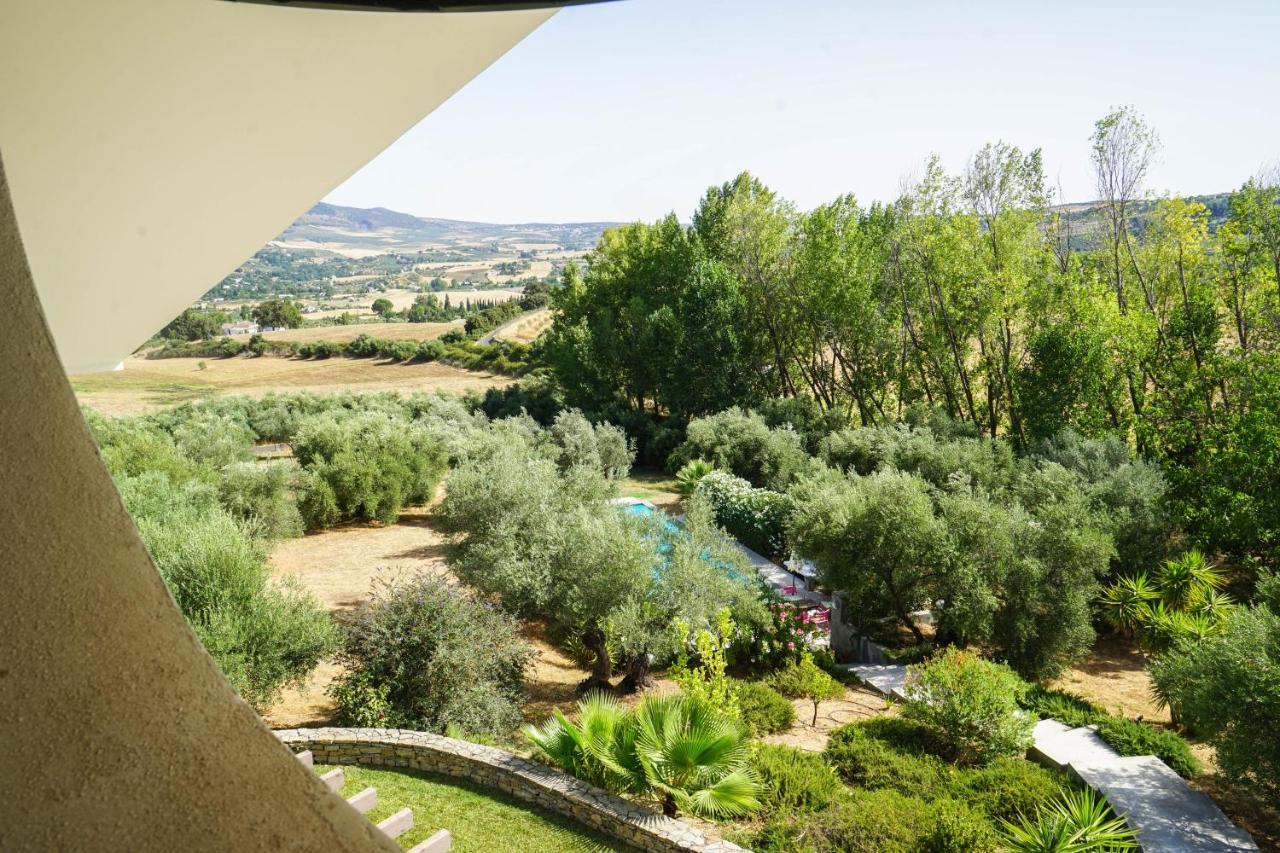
{"x":243,"y":327}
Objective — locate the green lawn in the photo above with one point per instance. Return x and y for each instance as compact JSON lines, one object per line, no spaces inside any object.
{"x":655,"y":486}
{"x":479,"y":819}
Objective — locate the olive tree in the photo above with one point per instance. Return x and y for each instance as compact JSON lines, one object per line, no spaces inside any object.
{"x":877,"y":539}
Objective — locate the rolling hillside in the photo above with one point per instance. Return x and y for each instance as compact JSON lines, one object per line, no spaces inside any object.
{"x":355,"y":231}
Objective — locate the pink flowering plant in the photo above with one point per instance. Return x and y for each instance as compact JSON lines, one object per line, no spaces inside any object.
{"x":785,"y":636}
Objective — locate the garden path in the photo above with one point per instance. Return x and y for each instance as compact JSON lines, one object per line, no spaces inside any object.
{"x":1168,"y":814}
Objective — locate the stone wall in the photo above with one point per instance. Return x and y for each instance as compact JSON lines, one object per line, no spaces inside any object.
{"x":521,"y":778}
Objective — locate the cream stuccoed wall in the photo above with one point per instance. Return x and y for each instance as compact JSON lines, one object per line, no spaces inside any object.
{"x":154,"y":145}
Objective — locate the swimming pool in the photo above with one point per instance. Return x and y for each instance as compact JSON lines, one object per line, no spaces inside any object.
{"x":671,"y":528}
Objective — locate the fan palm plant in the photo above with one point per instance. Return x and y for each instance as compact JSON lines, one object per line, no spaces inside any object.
{"x":681,"y":752}
{"x":1077,"y":822}
{"x":687,"y":477}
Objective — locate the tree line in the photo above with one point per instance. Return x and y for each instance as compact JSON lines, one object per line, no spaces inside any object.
{"x":970,"y":294}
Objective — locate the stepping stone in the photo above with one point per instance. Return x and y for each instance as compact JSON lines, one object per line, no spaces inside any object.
{"x":1060,"y":746}
{"x":1169,"y":816}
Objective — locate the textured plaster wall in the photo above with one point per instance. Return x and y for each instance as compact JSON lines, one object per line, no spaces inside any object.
{"x":117,"y":732}
{"x":527,"y":780}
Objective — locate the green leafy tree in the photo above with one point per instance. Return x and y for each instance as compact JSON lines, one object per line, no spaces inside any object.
{"x":877,"y":539}
{"x":805,"y":680}
{"x":278,"y":313}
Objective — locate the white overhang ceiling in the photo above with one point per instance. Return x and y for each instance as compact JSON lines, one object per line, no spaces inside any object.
{"x":152,"y":146}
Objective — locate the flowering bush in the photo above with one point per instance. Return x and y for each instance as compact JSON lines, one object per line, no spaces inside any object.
{"x":756,"y":517}
{"x":785,"y":637}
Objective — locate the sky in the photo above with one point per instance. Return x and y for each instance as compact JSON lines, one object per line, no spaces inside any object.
{"x":630,"y":110}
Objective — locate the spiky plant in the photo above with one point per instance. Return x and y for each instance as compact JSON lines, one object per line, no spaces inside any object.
{"x":1077,"y":822}
{"x":578,"y":748}
{"x":679,"y":751}
{"x":1182,"y":580}
{"x":687,"y":477}
{"x":1125,"y":603}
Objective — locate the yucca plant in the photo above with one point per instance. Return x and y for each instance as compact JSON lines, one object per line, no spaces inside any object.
{"x":1077,"y":822}
{"x":681,"y":752}
{"x":1125,"y":603}
{"x":687,"y":477}
{"x":1183,"y":580}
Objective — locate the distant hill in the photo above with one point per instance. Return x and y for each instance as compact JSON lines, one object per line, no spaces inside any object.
{"x":1085,"y":222}
{"x":360,"y":231}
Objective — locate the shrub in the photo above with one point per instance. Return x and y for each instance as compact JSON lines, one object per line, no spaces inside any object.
{"x":1226,"y":689}
{"x":1065,"y":707}
{"x":1130,"y":737}
{"x":756,"y":517}
{"x":957,"y":828}
{"x":763,"y":709}
{"x":260,"y":494}
{"x":805,"y":680}
{"x":430,"y":351}
{"x":437,"y":656}
{"x":970,"y":705}
{"x":741,"y":442}
{"x":794,"y":781}
{"x":870,"y":822}
{"x":866,"y":761}
{"x":784,"y":638}
{"x":263,"y":636}
{"x":1007,"y":787}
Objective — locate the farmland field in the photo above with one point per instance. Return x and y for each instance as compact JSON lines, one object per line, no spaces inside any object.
{"x":525,"y":329}
{"x":383,"y":331}
{"x":149,"y":384}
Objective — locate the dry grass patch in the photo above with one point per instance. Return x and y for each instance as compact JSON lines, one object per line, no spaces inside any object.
{"x":149,"y":384}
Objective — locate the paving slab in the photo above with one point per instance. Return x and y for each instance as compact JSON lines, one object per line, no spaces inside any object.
{"x":1059,"y":745}
{"x":887,"y":679}
{"x":1170,"y":817}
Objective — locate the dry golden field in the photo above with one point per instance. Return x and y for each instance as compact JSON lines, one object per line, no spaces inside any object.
{"x":525,"y":329}
{"x":149,"y":384}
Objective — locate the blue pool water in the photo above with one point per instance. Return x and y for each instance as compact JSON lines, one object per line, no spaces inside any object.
{"x":645,"y":511}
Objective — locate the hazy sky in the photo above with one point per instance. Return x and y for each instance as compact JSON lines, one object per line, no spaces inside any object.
{"x":628,"y":110}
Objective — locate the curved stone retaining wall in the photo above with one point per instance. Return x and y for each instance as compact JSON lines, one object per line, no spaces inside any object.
{"x":526,"y":780}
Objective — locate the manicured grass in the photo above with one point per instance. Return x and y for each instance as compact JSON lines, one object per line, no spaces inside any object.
{"x":480,"y":820}
{"x":651,"y":485}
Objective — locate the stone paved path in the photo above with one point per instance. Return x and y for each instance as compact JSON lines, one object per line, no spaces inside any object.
{"x":1169,"y":816}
